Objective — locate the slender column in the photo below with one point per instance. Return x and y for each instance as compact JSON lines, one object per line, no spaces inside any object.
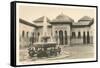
{"x":58,"y":38}
{"x":68,"y":38}
{"x":63,"y":37}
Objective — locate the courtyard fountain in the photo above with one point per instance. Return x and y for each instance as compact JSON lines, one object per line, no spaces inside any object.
{"x":46,"y":46}
{"x":45,"y":43}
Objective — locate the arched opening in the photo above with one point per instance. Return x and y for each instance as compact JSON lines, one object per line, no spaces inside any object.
{"x":27,"y":34}
{"x":38,"y":36}
{"x":88,"y":37}
{"x":33,"y":37}
{"x":84,"y":38}
{"x":23,"y":33}
{"x":61,"y":37}
{"x":79,"y":34}
{"x":66,"y":37}
{"x":55,"y":32}
{"x":73,"y":35}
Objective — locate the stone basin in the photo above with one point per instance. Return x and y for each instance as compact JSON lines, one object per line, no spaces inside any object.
{"x":45,"y":44}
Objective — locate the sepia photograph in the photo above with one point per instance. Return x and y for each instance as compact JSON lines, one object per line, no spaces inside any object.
{"x":52,"y":33}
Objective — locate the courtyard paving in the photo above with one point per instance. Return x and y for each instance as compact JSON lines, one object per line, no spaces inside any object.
{"x":68,"y":52}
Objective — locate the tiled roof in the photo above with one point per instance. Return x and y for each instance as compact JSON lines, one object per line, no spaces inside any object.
{"x":33,"y":24}
{"x":41,"y":24}
{"x":85,"y":18}
{"x":62,"y":18}
{"x":41,"y":19}
{"x":84,"y":21}
{"x":27,"y":22}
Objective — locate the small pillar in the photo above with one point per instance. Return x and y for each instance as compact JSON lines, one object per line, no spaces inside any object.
{"x":68,"y":40}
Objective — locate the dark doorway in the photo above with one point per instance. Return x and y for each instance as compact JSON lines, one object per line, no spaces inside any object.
{"x":61,"y":37}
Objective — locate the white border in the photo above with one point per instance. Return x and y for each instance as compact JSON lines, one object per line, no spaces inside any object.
{"x":17,"y":34}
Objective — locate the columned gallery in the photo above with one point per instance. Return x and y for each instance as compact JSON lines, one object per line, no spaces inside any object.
{"x":62,"y":29}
